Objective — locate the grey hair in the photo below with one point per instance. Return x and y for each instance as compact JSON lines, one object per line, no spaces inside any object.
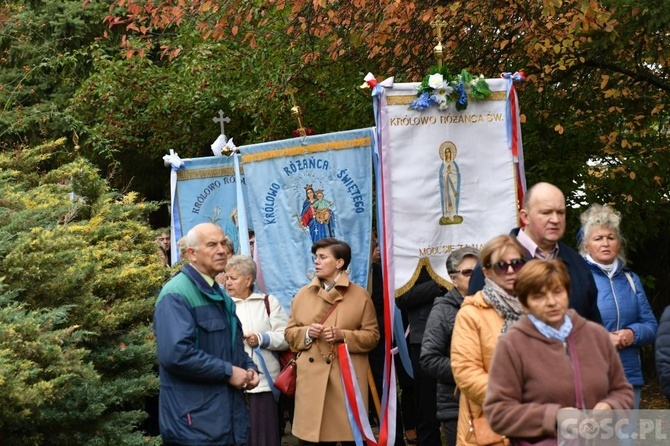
{"x":457,"y":256}
{"x":600,"y":216}
{"x":191,"y":239}
{"x":182,"y":244}
{"x":245,"y":265}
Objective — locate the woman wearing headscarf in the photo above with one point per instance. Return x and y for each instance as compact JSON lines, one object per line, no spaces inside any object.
{"x":481,"y":319}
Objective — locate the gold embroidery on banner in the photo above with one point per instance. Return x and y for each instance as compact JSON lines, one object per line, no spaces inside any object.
{"x":399,"y":100}
{"x":423,"y":262}
{"x":304,"y":150}
{"x":406,"y":99}
{"x":209,"y":172}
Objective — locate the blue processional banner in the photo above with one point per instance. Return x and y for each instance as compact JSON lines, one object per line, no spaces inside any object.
{"x":304,"y":189}
{"x":205,"y":192}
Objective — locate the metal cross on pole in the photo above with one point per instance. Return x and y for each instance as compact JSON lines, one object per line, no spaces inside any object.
{"x":296,"y":110}
{"x":221,"y":120}
{"x":438,"y":24}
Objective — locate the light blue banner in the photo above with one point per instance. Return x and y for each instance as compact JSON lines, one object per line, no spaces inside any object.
{"x":206,"y":193}
{"x":301,"y":190}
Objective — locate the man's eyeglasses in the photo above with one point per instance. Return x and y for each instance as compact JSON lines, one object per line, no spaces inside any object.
{"x":467,"y":272}
{"x":501,"y":267}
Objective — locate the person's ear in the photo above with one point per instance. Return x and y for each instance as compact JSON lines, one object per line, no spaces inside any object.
{"x":524,"y":217}
{"x":190,"y":254}
{"x":340,"y":264}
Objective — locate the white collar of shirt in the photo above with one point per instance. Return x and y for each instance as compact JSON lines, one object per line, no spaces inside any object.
{"x":535,"y":250}
{"x":208,"y":279}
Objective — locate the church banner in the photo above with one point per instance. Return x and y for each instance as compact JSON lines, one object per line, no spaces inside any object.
{"x":452,"y":177}
{"x":304,"y":189}
{"x":204,"y":191}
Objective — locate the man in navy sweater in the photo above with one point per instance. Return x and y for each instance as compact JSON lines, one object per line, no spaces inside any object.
{"x":543,"y":216}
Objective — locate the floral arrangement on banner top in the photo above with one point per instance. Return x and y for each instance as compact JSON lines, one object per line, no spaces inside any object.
{"x":440,"y":88}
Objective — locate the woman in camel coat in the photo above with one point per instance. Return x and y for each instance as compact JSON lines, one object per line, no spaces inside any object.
{"x":320,"y":412}
{"x":479,"y":323}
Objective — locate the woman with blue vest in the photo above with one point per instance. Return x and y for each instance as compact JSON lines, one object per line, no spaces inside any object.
{"x":622,"y":302}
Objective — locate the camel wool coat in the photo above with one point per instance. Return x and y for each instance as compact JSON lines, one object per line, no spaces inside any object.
{"x":320,"y":411}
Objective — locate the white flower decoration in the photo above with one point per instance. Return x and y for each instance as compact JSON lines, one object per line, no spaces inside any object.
{"x":435,"y":80}
{"x":441,"y":95}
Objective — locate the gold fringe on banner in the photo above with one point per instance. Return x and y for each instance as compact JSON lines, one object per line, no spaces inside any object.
{"x":210,"y":172}
{"x":423,"y":262}
{"x":303,"y":150}
{"x":406,"y":99}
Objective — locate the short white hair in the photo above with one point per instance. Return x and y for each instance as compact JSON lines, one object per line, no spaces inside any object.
{"x":192,"y":239}
{"x":600,"y":216}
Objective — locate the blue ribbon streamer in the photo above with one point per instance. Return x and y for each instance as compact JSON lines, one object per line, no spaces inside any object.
{"x":358,"y":437}
{"x":241,"y":209}
{"x":275,"y":391}
{"x":401,"y":343}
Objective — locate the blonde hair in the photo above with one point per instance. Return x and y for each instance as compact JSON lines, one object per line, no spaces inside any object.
{"x":600,"y":216}
{"x":498,"y":245}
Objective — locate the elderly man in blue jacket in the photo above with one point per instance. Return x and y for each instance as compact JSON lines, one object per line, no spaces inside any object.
{"x":204,"y":369}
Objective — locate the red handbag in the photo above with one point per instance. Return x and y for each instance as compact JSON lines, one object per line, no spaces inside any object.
{"x":284,"y":357}
{"x":285,"y":381}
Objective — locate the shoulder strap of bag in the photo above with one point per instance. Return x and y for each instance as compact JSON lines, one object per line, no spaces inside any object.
{"x":574,"y":360}
{"x":330,"y":310}
{"x":630,"y":280}
{"x":267,"y":304}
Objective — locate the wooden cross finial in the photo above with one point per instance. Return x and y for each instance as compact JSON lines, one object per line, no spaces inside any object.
{"x":221,"y":120}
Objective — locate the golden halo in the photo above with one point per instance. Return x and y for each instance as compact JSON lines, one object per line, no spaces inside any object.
{"x":448,"y":145}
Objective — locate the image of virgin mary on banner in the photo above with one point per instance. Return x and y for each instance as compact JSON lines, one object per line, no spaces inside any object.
{"x":451,"y":178}
{"x":302,"y":190}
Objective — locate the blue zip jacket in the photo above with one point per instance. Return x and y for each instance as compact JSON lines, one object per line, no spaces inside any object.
{"x":623,"y":304}
{"x":199,"y":339}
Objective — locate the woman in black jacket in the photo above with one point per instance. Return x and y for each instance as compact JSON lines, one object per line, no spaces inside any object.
{"x":663,"y":352}
{"x":436,"y":344}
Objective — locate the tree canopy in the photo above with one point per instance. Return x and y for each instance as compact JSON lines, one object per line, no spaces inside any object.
{"x":595,"y":102}
{"x":79,"y":278}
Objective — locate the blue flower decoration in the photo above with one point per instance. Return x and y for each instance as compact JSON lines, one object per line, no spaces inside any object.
{"x":462,"y":101}
{"x":454,"y":89}
{"x":424,"y":101}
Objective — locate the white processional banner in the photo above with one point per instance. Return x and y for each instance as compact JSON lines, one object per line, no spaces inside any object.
{"x":453,"y":178}
{"x":304,"y":189}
